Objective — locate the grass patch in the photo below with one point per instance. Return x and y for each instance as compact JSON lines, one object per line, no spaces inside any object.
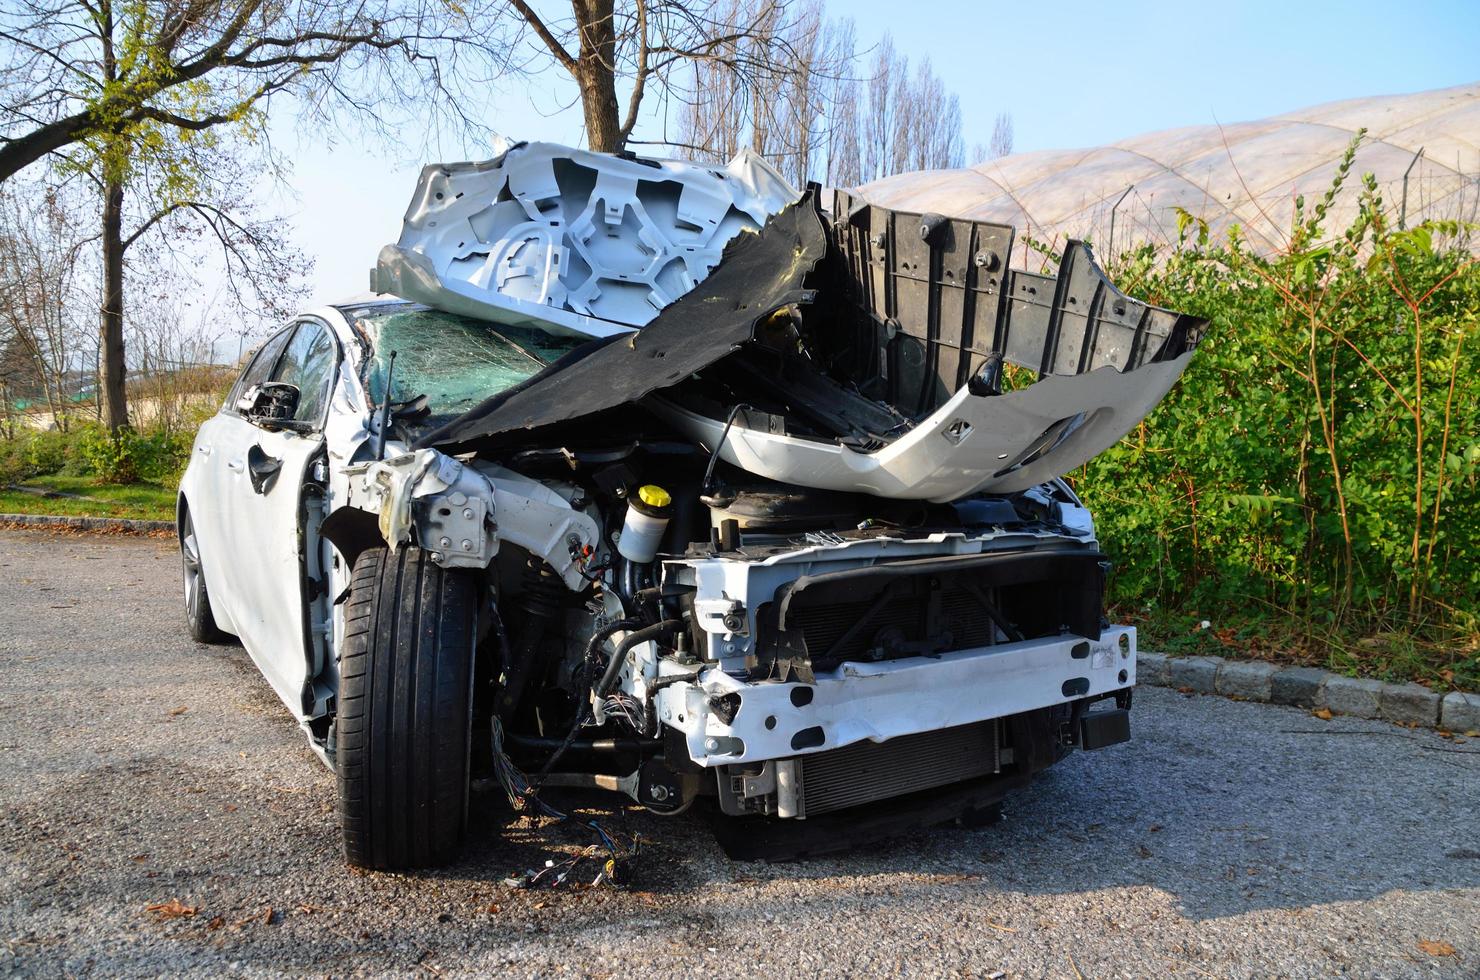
{"x":138,"y":501}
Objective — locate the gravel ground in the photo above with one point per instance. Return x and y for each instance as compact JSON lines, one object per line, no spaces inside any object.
{"x":1227,"y":839}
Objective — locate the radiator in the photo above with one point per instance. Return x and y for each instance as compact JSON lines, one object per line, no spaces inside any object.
{"x":868,"y":771}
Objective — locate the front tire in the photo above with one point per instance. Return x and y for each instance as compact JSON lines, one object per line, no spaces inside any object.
{"x":404,"y":722}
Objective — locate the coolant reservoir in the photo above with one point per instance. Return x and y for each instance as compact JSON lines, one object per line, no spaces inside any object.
{"x":647,"y":518}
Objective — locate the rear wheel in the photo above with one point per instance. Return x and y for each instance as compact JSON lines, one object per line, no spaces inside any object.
{"x":198,"y":615}
{"x":404,"y":722}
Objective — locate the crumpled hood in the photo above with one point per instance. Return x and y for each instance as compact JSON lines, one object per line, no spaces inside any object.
{"x":572,"y":241}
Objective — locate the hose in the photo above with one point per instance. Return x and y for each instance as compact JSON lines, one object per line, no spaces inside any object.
{"x":614,"y":666}
{"x":612,"y":669}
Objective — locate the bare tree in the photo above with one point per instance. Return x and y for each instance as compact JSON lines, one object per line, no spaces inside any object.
{"x":788,"y":118}
{"x":169,"y":226}
{"x":789,"y":113}
{"x":844,"y":131}
{"x":117,"y":87}
{"x":658,"y":47}
{"x":822,"y":120}
{"x":880,"y":110}
{"x":713,"y":119}
{"x":1001,"y":145}
{"x":172,"y":339}
{"x":40,"y":332}
{"x":909,"y":122}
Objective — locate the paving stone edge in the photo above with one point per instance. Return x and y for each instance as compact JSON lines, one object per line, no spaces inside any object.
{"x":1311,"y":687}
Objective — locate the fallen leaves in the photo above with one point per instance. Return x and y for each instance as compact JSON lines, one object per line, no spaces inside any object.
{"x":265,"y":917}
{"x":1322,"y":713}
{"x":177,"y":712}
{"x":173,"y":909}
{"x":1436,"y":947}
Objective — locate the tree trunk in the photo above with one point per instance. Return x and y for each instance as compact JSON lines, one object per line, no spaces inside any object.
{"x":596,"y":74}
{"x":112,"y":396}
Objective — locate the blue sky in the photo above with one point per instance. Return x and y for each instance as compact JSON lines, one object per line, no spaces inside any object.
{"x":1071,"y":73}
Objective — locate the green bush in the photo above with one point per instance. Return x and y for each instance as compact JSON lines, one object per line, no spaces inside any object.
{"x":160,"y":456}
{"x":45,"y":452}
{"x":112,"y":458}
{"x":32,"y":454}
{"x":1319,"y":462}
{"x":12,"y":460}
{"x":152,"y":455}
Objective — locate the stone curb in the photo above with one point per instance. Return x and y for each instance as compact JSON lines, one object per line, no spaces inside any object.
{"x":88,"y":523}
{"x":1311,"y":687}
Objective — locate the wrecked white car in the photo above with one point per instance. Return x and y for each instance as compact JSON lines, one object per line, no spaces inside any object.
{"x":660,"y":479}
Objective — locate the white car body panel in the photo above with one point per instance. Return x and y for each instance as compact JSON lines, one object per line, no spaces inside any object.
{"x":571,"y":241}
{"x":263,"y":532}
{"x":204,"y":488}
{"x":971,"y":444}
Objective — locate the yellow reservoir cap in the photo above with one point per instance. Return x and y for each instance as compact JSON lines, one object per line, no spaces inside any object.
{"x":654,"y":495}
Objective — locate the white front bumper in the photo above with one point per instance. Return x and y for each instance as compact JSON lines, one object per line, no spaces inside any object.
{"x":879,"y":701}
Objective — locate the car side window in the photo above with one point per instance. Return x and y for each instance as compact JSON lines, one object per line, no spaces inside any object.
{"x":260,"y":367}
{"x":308,"y":362}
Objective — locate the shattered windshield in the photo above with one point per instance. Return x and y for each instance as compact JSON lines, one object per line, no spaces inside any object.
{"x":453,"y":361}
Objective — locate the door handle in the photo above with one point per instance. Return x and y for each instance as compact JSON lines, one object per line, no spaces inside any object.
{"x":203,"y":450}
{"x":235,"y":465}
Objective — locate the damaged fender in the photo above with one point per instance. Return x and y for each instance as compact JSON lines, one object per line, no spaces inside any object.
{"x":459,"y":514}
{"x":447,"y":503}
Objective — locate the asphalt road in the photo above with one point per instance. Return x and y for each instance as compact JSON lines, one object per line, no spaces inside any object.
{"x":139,"y":769}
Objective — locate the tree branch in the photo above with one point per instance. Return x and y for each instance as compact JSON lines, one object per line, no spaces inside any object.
{"x":551,"y":42}
{"x":640,"y":81}
{"x":155,"y":219}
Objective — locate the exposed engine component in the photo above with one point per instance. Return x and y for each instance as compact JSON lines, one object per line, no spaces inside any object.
{"x":647,"y":518}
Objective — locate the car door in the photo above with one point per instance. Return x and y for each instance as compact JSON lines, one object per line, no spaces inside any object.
{"x":266,"y":476}
{"x":210,"y":482}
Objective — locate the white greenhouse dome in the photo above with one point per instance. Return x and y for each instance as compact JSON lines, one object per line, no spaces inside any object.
{"x":1247,"y":174}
